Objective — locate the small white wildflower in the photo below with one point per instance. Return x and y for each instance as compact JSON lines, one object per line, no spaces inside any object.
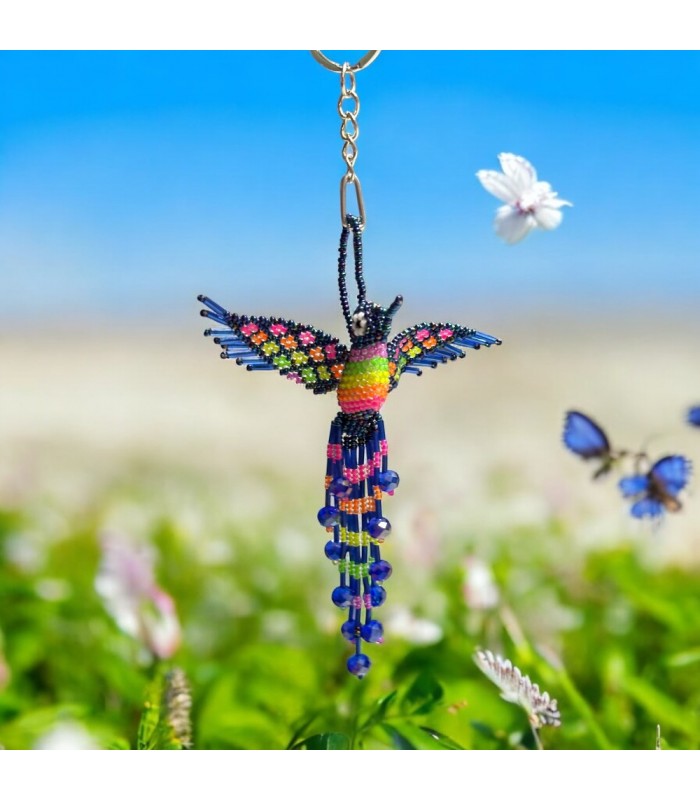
{"x":66,"y":735}
{"x":519,"y":689}
{"x":403,"y":624}
{"x":480,"y":590}
{"x":127,"y":586}
{"x":530,"y":203}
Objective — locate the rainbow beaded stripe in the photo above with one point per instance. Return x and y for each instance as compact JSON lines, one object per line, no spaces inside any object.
{"x":364,"y":384}
{"x":357,"y":457}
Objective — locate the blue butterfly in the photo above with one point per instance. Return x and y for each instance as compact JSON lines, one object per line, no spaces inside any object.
{"x":693,"y":417}
{"x":587,"y":439}
{"x":658,"y":490}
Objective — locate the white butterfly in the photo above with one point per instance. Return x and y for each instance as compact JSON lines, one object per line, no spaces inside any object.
{"x":531,"y":203}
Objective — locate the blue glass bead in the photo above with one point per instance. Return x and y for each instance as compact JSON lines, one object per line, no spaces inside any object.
{"x":377,"y":595}
{"x":380,"y":570}
{"x":349,"y":630}
{"x":340,"y":487}
{"x":359,"y":665}
{"x":388,"y":481}
{"x":328,"y":516}
{"x":373,"y":631}
{"x":342,"y":596}
{"x":333,"y":551}
{"x":379,"y":528}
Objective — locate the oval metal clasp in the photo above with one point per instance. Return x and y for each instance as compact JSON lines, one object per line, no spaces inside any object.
{"x":344,"y":181}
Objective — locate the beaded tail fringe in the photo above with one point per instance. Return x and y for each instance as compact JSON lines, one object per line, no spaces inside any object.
{"x":357,"y":473}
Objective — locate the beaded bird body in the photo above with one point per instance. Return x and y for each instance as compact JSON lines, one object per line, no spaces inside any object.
{"x":357,"y":456}
{"x":364,"y":383}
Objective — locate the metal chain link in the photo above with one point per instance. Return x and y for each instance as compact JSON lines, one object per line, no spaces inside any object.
{"x":349,"y":133}
{"x":349,"y":128}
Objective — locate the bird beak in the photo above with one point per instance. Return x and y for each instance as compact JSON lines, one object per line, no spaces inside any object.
{"x":396,"y":305}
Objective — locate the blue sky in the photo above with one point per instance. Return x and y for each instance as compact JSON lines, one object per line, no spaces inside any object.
{"x":131,"y":181}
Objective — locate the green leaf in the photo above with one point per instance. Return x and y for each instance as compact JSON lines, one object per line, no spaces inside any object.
{"x":488,"y":732}
{"x":118,"y":744}
{"x":666,"y":611}
{"x":422,"y":696}
{"x":301,"y":728}
{"x":146,"y":738}
{"x":325,"y":741}
{"x":407,"y":736}
{"x":380,"y":711}
{"x":661,"y":707}
{"x":442,"y":739}
{"x":398,"y":740}
{"x":685,"y":658}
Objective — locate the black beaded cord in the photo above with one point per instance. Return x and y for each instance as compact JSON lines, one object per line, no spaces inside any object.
{"x":342,"y":285}
{"x":354,"y":223}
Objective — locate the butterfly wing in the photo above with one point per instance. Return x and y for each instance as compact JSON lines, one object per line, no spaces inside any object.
{"x":585,"y":437}
{"x":633,"y":485}
{"x":303,"y":353}
{"x":430,"y":344}
{"x":693,"y":417}
{"x":647,"y":507}
{"x":671,"y":474}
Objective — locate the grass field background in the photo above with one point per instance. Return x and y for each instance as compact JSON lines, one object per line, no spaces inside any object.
{"x":145,"y":433}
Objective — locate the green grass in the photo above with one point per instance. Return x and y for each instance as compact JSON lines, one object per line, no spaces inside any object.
{"x":613,"y":638}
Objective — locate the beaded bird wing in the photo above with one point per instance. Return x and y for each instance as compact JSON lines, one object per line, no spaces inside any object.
{"x":430,"y":344}
{"x":303,"y":353}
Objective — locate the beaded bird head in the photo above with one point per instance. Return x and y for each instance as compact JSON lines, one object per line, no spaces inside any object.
{"x":370,"y":322}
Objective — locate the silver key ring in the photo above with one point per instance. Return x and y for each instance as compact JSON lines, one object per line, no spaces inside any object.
{"x":365,"y":61}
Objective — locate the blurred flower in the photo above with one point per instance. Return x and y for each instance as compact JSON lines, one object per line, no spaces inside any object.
{"x":480,"y":590}
{"x":66,"y":736}
{"x":530,"y":203}
{"x":423,"y":547}
{"x":53,"y":590}
{"x":403,"y":624}
{"x":127,"y":586}
{"x":519,"y":689}
{"x":693,"y":417}
{"x":5,"y":673}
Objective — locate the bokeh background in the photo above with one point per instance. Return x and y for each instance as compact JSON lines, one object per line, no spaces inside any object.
{"x":132,"y":181}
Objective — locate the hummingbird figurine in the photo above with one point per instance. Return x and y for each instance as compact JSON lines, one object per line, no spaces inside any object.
{"x":357,"y":465}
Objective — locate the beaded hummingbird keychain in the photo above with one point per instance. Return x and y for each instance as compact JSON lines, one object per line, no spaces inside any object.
{"x":362,"y":374}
